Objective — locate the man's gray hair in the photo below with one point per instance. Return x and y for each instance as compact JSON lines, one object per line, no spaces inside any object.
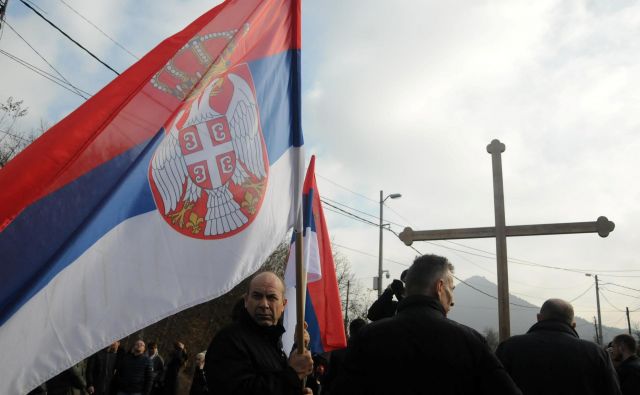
{"x":557,"y":310}
{"x":425,"y":273}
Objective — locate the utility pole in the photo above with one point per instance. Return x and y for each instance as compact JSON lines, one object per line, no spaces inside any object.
{"x":380,"y":248}
{"x":382,"y":225}
{"x":595,"y":325}
{"x":599,"y":329}
{"x":628,"y":321}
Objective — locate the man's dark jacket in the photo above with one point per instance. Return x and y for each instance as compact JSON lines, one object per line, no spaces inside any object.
{"x":629,"y":374}
{"x":550,"y":359}
{"x":134,"y":374}
{"x":420,"y":351}
{"x":245,"y":358}
{"x":101,"y":367}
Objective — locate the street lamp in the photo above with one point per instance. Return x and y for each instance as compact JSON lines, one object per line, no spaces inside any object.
{"x":382,"y":200}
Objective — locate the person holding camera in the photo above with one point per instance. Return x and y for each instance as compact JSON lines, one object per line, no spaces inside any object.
{"x":385,"y":306}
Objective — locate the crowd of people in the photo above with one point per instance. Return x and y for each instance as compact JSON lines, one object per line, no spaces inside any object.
{"x":411,"y":347}
{"x":115,"y":371}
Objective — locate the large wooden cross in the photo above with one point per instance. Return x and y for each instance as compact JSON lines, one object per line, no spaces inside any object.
{"x":500,"y":231}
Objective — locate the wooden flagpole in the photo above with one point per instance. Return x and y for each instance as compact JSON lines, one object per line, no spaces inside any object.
{"x":301,"y":287}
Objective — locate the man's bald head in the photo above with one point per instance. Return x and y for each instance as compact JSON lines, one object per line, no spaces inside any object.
{"x":265,"y":299}
{"x":557,"y":310}
{"x":266,"y":276}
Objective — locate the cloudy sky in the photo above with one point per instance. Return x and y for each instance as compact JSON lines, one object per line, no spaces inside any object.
{"x":404,"y":97}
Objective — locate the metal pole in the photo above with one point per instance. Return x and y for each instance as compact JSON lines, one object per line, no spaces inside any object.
{"x":380,"y":248}
{"x":601,"y":338}
{"x":628,"y":321}
{"x":496,"y":148}
{"x":595,"y":325}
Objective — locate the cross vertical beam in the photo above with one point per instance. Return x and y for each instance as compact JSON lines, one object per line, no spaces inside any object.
{"x":496,"y":148}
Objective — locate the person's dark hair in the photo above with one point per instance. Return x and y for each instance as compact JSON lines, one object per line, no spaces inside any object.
{"x":356,"y":325}
{"x":152,"y":345}
{"x":557,"y":310}
{"x":425,"y":272}
{"x":627,"y":342}
{"x":403,"y":275}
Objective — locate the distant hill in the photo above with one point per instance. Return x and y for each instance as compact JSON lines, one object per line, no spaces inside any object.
{"x":480,"y":311}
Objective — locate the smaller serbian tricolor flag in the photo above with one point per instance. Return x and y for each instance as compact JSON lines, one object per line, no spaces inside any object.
{"x":323,"y":311}
{"x":164,"y":190}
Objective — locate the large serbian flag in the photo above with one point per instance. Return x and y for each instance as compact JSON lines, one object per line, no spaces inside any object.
{"x":323,"y":311}
{"x":164,"y":190}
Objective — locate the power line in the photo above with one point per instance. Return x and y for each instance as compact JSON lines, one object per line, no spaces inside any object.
{"x":349,"y":207}
{"x":622,"y":286}
{"x":62,"y":83}
{"x":77,"y":91}
{"x":581,"y":295}
{"x":620,"y":293}
{"x":368,"y":254}
{"x":69,"y":37}
{"x":348,"y":213}
{"x":607,"y":300}
{"x":347,"y":189}
{"x":100,"y":30}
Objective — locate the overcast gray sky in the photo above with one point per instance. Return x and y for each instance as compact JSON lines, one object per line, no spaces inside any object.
{"x":404,"y":97}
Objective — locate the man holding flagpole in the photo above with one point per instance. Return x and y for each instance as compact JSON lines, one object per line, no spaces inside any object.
{"x":246,"y":357}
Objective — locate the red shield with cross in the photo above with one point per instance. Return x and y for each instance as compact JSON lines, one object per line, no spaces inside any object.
{"x":208,"y":152}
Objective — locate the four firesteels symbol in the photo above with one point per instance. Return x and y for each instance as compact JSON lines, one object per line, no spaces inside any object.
{"x":208,"y":152}
{"x":209,"y":174}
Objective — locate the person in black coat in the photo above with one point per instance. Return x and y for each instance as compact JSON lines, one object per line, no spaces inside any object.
{"x":624,"y":354}
{"x":174,"y":366}
{"x":157,"y":366}
{"x":337,"y":357}
{"x":550,"y":358}
{"x":101,"y":367}
{"x":199,"y":383}
{"x":419,"y":350}
{"x":134,"y":373}
{"x":385,"y":306}
{"x":246,"y":357}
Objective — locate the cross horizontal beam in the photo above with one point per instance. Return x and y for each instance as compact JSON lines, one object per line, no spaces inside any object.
{"x":602,"y":226}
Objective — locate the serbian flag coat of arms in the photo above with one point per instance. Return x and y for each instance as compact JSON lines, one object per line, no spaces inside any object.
{"x":164,"y":190}
{"x":323,"y":309}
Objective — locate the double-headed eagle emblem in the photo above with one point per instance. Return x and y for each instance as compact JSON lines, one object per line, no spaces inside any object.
{"x":213,"y":154}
